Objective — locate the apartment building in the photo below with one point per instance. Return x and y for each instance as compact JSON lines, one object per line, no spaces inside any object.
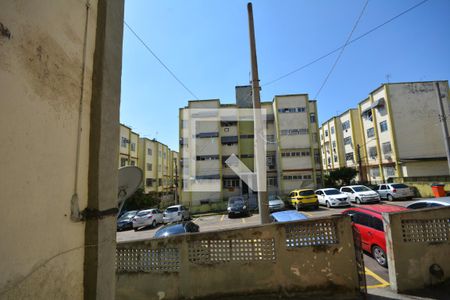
{"x":158,"y":163}
{"x":128,"y":147}
{"x":399,"y":132}
{"x":211,"y":132}
{"x":340,"y":138}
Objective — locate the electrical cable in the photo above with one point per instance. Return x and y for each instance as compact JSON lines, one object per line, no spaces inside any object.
{"x":160,"y":61}
{"x":342,"y":50}
{"x":350,"y":42}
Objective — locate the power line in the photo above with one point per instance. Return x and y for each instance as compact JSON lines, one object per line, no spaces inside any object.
{"x":160,"y":61}
{"x":350,"y":42}
{"x":342,"y":50}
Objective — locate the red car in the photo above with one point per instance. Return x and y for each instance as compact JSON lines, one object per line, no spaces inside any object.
{"x":369,"y":223}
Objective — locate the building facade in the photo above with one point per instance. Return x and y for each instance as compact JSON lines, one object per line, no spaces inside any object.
{"x":397,"y":131}
{"x":221,"y":130}
{"x":157,"y":161}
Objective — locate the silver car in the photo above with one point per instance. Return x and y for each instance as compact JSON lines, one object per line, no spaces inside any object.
{"x":176,"y":213}
{"x":147,"y":217}
{"x":275,"y":203}
{"x":391,"y":191}
{"x":429,"y":203}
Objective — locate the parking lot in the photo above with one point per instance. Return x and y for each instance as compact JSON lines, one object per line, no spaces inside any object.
{"x":376,"y":276}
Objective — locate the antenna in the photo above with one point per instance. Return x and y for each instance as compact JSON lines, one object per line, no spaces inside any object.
{"x":130,"y":178}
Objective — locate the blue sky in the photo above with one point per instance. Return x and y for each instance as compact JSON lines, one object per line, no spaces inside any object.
{"x":205,"y":43}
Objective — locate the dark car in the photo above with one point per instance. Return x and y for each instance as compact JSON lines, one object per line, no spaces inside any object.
{"x":176,"y":228}
{"x":125,"y":221}
{"x":237,"y":206}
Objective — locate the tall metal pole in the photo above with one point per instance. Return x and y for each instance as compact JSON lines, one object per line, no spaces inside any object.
{"x":260,"y":156}
{"x":360,"y":168}
{"x":443,"y":120}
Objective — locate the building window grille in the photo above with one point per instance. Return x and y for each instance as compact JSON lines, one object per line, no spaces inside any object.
{"x":348,"y":140}
{"x":349,"y":156}
{"x":312,"y":117}
{"x":123,"y":162}
{"x":149,"y":167}
{"x":346,"y":125}
{"x":373,"y":152}
{"x":292,"y":110}
{"x":387,"y":149}
{"x":383,"y":126}
{"x":370,"y":132}
{"x":123,"y":142}
{"x":149,"y":151}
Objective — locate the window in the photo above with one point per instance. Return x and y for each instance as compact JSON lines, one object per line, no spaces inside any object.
{"x":207,"y":135}
{"x":418,"y":205}
{"x":329,"y":160}
{"x":133,"y":147}
{"x":348,"y":140}
{"x":373,"y":152}
{"x":334,"y":144}
{"x":307,"y":177}
{"x":326,"y":132}
{"x":383,"y":126}
{"x":367,"y":115}
{"x":346,"y":125}
{"x":231,"y":183}
{"x":123,"y":142}
{"x":375,"y":172}
{"x":312,"y":117}
{"x":149,"y":181}
{"x":164,"y":155}
{"x":160,"y":153}
{"x":149,"y":167}
{"x":270,"y":138}
{"x":123,"y":162}
{"x":160,"y":182}
{"x":377,"y":224}
{"x":332,"y":130}
{"x":316,"y":156}
{"x":247,"y":136}
{"x":247,"y":155}
{"x":294,"y":131}
{"x":349,"y":156}
{"x":149,"y":151}
{"x":335,"y":158}
{"x":390,"y":171}
{"x":272,"y":181}
{"x":370,"y":132}
{"x":361,"y":219}
{"x":291,"y":110}
{"x":133,"y":163}
{"x":295,"y":153}
{"x":387,"y":147}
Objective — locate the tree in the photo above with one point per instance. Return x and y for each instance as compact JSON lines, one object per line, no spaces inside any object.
{"x":140,"y":200}
{"x":339,"y":177}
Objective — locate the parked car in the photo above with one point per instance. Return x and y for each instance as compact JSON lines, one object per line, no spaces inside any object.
{"x":125,"y":221}
{"x":332,"y":198}
{"x":369,"y":223}
{"x":360,"y":194}
{"x":237,"y":206}
{"x":176,"y":228}
{"x":391,"y":191}
{"x":428,"y":203}
{"x":176,"y":213}
{"x":287,"y":216}
{"x":147,"y":217}
{"x":303,"y":198}
{"x":275,"y":203}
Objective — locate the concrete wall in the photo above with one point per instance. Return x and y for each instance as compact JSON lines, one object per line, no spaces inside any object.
{"x":417,"y":102}
{"x":423,"y":189}
{"x":40,"y":80}
{"x":272,"y":259}
{"x":418,"y":245}
{"x":46,"y":115}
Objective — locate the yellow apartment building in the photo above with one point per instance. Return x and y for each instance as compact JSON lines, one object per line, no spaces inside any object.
{"x":292,"y":146}
{"x":128,"y":147}
{"x":397,"y":130}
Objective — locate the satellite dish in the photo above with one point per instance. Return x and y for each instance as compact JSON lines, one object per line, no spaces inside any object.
{"x":130,"y":179}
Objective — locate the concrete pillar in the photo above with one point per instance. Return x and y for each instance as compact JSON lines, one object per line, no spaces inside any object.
{"x":99,"y":266}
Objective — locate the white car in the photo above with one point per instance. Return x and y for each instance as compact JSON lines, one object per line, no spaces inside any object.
{"x":332,"y":198}
{"x":147,"y":217}
{"x":275,"y":203}
{"x":176,"y":213}
{"x":360,"y":194}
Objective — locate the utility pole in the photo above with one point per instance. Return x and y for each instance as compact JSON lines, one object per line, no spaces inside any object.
{"x":443,"y":121}
{"x":260,"y":156}
{"x":358,"y":153}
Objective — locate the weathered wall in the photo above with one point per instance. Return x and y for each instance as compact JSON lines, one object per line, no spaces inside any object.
{"x":308,"y":257}
{"x":417,"y":241}
{"x":424,"y":188}
{"x":41,"y":63}
{"x":46,"y":115}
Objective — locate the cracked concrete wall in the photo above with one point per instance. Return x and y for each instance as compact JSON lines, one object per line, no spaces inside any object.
{"x":418,"y":246}
{"x":41,"y":60}
{"x":250,"y":261}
